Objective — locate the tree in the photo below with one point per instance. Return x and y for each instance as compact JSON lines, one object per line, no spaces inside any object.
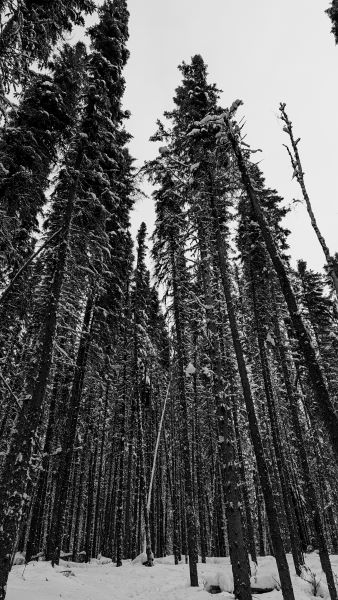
{"x":194,"y":100}
{"x":102,"y":184}
{"x":298,"y":173}
{"x":171,"y":267}
{"x":30,"y":33}
{"x":257,"y":269}
{"x":324,"y":409}
{"x":333,"y":14}
{"x":34,"y":134}
{"x":87,"y":160}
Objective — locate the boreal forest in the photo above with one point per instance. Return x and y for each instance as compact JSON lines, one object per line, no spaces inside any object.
{"x":168,"y":401}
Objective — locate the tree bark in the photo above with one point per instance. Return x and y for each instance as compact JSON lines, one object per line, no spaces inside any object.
{"x":69,"y":437}
{"x":282,"y":564}
{"x":226,"y":440}
{"x":189,"y":502}
{"x":298,"y":558}
{"x":308,"y":479}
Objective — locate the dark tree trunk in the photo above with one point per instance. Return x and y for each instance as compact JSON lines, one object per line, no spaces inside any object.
{"x":143,"y":486}
{"x":249,"y":522}
{"x":81,"y":494}
{"x":260,"y":512}
{"x":39,"y":502}
{"x":189,"y":499}
{"x":324,"y":408}
{"x":298,"y":558}
{"x":226,"y":439}
{"x":308,"y":478}
{"x":69,"y":437}
{"x":200,"y":486}
{"x":282,"y":564}
{"x":16,"y":471}
{"x":120,"y":475}
{"x":90,"y":504}
{"x":96,"y":533}
{"x":129,"y":523}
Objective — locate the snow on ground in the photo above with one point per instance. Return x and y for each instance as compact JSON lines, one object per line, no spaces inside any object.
{"x":164,"y":581}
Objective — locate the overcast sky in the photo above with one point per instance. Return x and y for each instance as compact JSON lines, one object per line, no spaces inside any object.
{"x":264,"y":52}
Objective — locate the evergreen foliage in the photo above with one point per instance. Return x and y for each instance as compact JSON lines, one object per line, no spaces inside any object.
{"x":333,"y":14}
{"x":31,"y":30}
{"x":186,"y":409}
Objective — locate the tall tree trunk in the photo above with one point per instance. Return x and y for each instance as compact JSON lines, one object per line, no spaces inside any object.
{"x":39,"y":501}
{"x":81,"y":494}
{"x":69,"y":437}
{"x":143,"y":485}
{"x":201,"y":491}
{"x":96,"y":533}
{"x":129,"y":523}
{"x":260,"y":513}
{"x":324,"y":408}
{"x":155,"y":456}
{"x":120,"y":475}
{"x":189,"y":499}
{"x":16,"y":471}
{"x":298,"y":558}
{"x":308,"y":478}
{"x":226,"y":439}
{"x":90,"y":502}
{"x":249,"y":522}
{"x":282,"y":564}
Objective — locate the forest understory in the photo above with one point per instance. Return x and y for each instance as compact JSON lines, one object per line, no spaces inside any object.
{"x":166,"y":413}
{"x":100,"y":579}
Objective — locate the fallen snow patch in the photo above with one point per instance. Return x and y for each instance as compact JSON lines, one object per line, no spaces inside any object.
{"x":165,"y":581}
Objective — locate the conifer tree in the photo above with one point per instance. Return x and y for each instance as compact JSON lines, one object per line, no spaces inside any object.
{"x":324,"y":408}
{"x":333,"y":14}
{"x":171,"y":268}
{"x":142,"y":351}
{"x":31,"y":31}
{"x":36,"y":131}
{"x":194,"y":99}
{"x":319,"y":309}
{"x":88,"y":160}
{"x":255,"y":434}
{"x":257,"y":270}
{"x":124,"y":429}
{"x":103,"y":184}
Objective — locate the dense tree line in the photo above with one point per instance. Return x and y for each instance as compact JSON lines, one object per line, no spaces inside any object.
{"x":190,"y":411}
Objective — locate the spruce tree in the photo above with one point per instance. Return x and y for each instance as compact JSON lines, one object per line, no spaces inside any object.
{"x":195,"y":152}
{"x":32,"y":30}
{"x":324,"y":408}
{"x":142,"y":351}
{"x":333,"y":14}
{"x":168,"y":253}
{"x":258,"y":271}
{"x":320,"y":309}
{"x":195,"y":99}
{"x":87,"y":161}
{"x":29,"y":144}
{"x":103,"y":184}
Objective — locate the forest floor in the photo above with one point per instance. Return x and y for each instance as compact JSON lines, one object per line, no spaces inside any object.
{"x":165,"y":581}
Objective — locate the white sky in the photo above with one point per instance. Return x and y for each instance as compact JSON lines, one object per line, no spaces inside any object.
{"x":264,"y":52}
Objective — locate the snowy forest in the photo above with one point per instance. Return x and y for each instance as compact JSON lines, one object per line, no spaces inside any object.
{"x":171,"y":401}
